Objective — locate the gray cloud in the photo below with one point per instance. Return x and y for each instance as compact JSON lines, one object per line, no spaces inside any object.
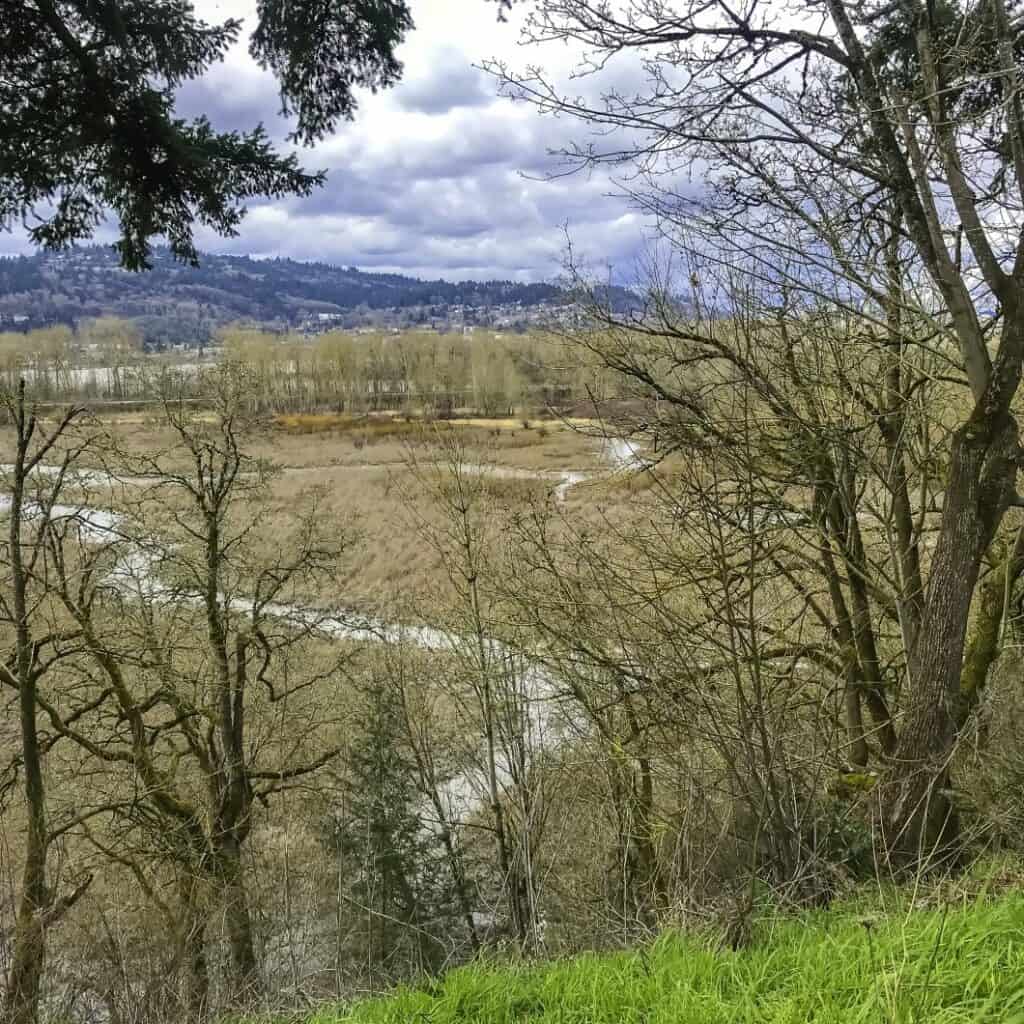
{"x":427,"y":179}
{"x":450,"y":82}
{"x":231,"y":99}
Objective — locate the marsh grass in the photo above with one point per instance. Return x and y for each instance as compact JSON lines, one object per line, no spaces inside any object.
{"x":949,"y":964}
{"x":339,"y":423}
{"x":380,"y":437}
{"x":404,"y":424}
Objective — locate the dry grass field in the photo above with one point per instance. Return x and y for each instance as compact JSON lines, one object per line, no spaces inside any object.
{"x":359,"y":470}
{"x":381,"y":439}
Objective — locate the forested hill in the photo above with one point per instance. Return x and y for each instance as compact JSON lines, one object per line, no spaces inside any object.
{"x":87,"y":282}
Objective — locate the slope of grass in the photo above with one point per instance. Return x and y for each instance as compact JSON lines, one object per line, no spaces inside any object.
{"x":948,"y":965}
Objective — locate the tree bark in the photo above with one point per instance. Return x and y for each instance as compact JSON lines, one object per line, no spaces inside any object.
{"x":21,"y":1003}
{"x":919,"y":818}
{"x":193,"y":955}
{"x":984,"y":645}
{"x":653,"y":896}
{"x":25,"y":978}
{"x":239,"y":923}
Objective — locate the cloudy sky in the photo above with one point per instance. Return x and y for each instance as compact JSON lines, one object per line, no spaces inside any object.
{"x":438,"y":177}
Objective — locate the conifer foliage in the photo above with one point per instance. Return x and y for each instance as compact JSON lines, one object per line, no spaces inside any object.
{"x":88,"y":92}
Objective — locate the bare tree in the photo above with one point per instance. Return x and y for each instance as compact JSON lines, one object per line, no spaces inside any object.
{"x":918,"y":105}
{"x":39,"y":641}
{"x":495,"y":686}
{"x":213,"y":673}
{"x":423,"y":729}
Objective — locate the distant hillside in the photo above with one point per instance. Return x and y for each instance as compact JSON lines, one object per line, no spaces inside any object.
{"x":185,"y":303}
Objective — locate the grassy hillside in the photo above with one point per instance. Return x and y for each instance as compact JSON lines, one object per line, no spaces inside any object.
{"x":959,"y":964}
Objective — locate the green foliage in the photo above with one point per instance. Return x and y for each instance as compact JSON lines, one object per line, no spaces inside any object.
{"x":381,"y":829}
{"x":964,"y":39}
{"x":394,"y":883}
{"x":319,"y":50}
{"x":937,"y":966}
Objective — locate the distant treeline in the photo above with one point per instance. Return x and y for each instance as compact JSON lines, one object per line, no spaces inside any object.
{"x":485,"y":373}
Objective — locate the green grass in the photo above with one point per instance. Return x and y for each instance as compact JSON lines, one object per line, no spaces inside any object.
{"x":951,"y":965}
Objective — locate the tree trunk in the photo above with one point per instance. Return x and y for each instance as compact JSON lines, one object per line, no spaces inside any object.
{"x":21,"y":1002}
{"x":193,"y":956}
{"x":24,"y":982}
{"x":842,"y":514}
{"x":654,"y":895}
{"x":857,"y":745}
{"x":22,"y":997}
{"x":919,"y":819}
{"x":239,"y":923}
{"x":984,"y":645}
{"x":858,"y":751}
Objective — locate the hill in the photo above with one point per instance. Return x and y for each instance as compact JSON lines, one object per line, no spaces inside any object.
{"x":941,"y":965}
{"x":176,"y":302}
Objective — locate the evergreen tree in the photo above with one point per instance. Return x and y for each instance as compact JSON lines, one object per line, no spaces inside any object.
{"x":398,"y":883}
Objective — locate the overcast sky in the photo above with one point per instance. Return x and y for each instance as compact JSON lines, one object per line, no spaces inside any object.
{"x":434,"y":178}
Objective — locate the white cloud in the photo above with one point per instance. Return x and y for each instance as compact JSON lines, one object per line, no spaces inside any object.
{"x":427,"y":179}
{"x":437,"y":177}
